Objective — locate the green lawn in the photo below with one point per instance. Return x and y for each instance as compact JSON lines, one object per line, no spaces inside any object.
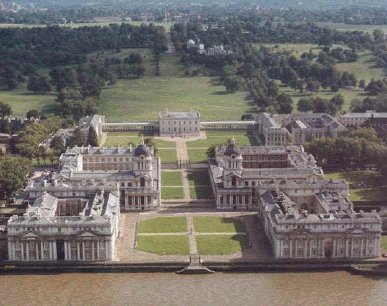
{"x":218,"y":138}
{"x":142,"y":99}
{"x":364,"y":185}
{"x":220,"y":244}
{"x":173,"y":178}
{"x":172,"y":193}
{"x":116,"y":138}
{"x":163,"y":225}
{"x":167,"y":155}
{"x":164,"y":245}
{"x":217,"y":225}
{"x":197,"y":156}
{"x":21,"y":101}
{"x":364,"y":68}
{"x":353,"y":27}
{"x":201,"y":193}
{"x":199,"y":178}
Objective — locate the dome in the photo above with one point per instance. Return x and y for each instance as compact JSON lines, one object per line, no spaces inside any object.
{"x":232,"y":148}
{"x":142,"y":149}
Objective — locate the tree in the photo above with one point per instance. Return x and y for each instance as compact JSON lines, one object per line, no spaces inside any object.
{"x":313,"y":86}
{"x":13,"y":173}
{"x":284,"y":104}
{"x":38,"y":84}
{"x":57,"y":145}
{"x":362,"y":84}
{"x":92,"y":138}
{"x":231,"y":84}
{"x":33,"y":113}
{"x":305,"y":105}
{"x":379,"y":35}
{"x":5,"y":110}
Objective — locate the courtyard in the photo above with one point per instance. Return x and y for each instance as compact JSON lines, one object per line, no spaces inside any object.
{"x":164,"y":236}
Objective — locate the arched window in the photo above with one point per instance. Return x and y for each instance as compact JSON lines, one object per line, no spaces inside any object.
{"x":233,"y":181}
{"x":142,"y":182}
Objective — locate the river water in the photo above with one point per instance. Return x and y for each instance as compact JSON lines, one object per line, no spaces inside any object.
{"x":322,"y":288}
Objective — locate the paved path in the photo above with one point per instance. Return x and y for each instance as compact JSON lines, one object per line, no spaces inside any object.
{"x":259,"y":249}
{"x":181,"y":149}
{"x":193,"y":250}
{"x":186,"y":189}
{"x":192,"y":233}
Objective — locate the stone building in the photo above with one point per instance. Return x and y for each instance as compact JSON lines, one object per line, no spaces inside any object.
{"x":296,"y":129}
{"x":135,"y":171}
{"x":320,"y":226}
{"x":66,"y":228}
{"x":360,"y":119}
{"x":304,"y":215}
{"x":179,"y":124}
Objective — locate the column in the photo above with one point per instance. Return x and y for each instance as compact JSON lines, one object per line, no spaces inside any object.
{"x":306,"y":249}
{"x":27,"y":251}
{"x":98,"y":242}
{"x":92,"y":249}
{"x":291,"y":248}
{"x":126,"y":201}
{"x":54,"y":249}
{"x":351,"y":247}
{"x":346,"y":247}
{"x":22,"y":249}
{"x":37,"y":249}
{"x":42,"y":249}
{"x":65,"y":250}
{"x":334,"y":248}
{"x":107,"y":250}
{"x":83,"y":250}
{"x":10,"y":250}
{"x":50,"y":250}
{"x":361,"y":247}
{"x":78,"y":251}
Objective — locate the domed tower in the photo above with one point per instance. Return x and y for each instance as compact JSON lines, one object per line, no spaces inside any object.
{"x":143,"y":155}
{"x":232,"y":157}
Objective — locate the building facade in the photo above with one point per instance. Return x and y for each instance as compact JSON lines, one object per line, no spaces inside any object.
{"x":181,"y":124}
{"x":305,"y":216}
{"x":71,"y":229}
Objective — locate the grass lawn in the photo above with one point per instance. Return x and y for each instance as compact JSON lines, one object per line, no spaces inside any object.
{"x":173,"y":178}
{"x":167,"y":156}
{"x":197,"y":156}
{"x":201,"y":193}
{"x":199,"y":178}
{"x":21,"y":101}
{"x":142,"y":99}
{"x":218,"y":138}
{"x":364,"y":185}
{"x":217,"y":225}
{"x":384,"y":243}
{"x":364,"y":68}
{"x":172,"y":193}
{"x":163,"y":225}
{"x":220,"y":244}
{"x":114,"y":139}
{"x":164,"y":245}
{"x":352,"y":27}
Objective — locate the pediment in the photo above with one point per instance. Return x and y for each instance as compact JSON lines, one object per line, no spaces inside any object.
{"x":233,"y":174}
{"x":301,"y":231}
{"x":30,"y":235}
{"x":87,"y":234}
{"x":356,"y":230}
